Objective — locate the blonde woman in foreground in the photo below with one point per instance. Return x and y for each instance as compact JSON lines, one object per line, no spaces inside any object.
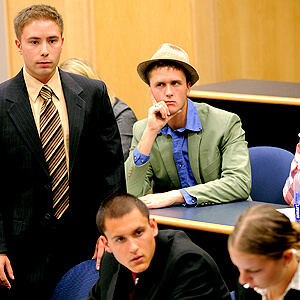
{"x":265,"y":248}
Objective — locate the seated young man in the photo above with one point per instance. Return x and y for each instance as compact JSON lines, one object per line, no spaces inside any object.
{"x":186,"y":152}
{"x":142,"y":262}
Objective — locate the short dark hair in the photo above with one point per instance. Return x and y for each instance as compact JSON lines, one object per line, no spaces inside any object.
{"x":36,"y":12}
{"x":167,"y":63}
{"x":116,"y":206}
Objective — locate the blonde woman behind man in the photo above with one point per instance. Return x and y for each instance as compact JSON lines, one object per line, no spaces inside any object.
{"x":124,"y":115}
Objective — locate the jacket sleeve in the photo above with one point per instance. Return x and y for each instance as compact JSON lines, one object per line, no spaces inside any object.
{"x":228,"y":178}
{"x":224,"y":166}
{"x":198,"y":278}
{"x":138,"y":178}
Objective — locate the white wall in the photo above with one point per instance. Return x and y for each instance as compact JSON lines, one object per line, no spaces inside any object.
{"x":4,"y":74}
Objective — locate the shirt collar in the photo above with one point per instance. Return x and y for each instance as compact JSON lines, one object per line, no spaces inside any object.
{"x":34,"y":86}
{"x":193,"y":122}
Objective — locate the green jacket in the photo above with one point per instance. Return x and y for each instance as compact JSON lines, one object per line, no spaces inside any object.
{"x":218,"y":156}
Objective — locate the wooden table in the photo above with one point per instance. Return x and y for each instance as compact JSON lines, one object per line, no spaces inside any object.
{"x":269,"y":110}
{"x":208,"y":227}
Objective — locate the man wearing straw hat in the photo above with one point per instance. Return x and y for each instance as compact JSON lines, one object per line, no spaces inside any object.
{"x":184,"y":152}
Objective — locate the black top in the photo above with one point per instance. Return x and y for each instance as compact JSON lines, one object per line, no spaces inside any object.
{"x":179,"y":270}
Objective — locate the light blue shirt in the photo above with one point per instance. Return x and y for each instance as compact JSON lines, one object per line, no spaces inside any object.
{"x":180,"y":150}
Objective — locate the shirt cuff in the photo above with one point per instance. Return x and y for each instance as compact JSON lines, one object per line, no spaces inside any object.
{"x":189,"y":200}
{"x":140,"y":158}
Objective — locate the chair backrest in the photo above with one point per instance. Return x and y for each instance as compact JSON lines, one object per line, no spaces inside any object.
{"x":270,"y":168}
{"x":77,"y":282}
{"x":232,"y":294}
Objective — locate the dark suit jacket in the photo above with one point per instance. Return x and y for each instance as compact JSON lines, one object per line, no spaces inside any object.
{"x":96,"y":170}
{"x":179,"y":270}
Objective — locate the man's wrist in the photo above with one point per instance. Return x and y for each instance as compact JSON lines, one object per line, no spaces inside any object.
{"x":177,"y":196}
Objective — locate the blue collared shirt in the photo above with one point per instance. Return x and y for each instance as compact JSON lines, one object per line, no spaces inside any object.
{"x":180,"y":150}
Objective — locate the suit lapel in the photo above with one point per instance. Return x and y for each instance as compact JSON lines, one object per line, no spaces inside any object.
{"x":164,"y":144}
{"x":112,"y":287}
{"x":76,"y":112}
{"x":194,"y":140}
{"x":21,"y":115}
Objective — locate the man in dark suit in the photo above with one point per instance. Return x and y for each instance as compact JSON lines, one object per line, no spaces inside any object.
{"x":38,"y":242}
{"x":144,"y":263}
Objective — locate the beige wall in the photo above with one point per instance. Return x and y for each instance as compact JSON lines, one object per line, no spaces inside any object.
{"x":129,"y":32}
{"x":226,"y":39}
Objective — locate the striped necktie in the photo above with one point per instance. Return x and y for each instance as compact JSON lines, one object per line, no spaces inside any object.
{"x":52,"y":139}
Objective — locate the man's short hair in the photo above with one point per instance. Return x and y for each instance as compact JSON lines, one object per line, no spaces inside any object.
{"x":118,"y":205}
{"x":36,"y":12}
{"x":168,"y":63}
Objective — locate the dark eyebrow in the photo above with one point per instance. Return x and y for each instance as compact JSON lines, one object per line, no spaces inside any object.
{"x":140,"y":228}
{"x":134,"y":231}
{"x":38,"y":38}
{"x":33,"y":38}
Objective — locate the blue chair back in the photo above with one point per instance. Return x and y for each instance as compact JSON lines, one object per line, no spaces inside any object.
{"x":270,"y":168}
{"x":77,"y":282}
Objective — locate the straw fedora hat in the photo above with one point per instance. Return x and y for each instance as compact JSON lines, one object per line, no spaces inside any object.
{"x":169,"y":52}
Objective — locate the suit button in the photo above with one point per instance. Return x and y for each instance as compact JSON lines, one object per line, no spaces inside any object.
{"x":47,"y":216}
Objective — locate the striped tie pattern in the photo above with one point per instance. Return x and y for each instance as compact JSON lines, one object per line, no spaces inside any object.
{"x":52,"y":139}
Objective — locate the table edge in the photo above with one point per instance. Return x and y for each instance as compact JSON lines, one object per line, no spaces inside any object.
{"x":189,"y":224}
{"x":245,"y":97}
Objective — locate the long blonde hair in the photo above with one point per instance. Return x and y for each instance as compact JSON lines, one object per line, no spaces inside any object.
{"x":82,"y":67}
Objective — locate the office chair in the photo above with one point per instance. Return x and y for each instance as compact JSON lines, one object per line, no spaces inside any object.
{"x":270,"y":168}
{"x":77,"y":282}
{"x":232,"y":294}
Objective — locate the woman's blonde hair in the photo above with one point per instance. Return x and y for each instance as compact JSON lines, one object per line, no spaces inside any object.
{"x":82,"y":67}
{"x":262,"y":230}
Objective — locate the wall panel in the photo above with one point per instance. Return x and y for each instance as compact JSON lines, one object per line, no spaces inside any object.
{"x":226,"y":39}
{"x":259,"y":39}
{"x":128,"y":32}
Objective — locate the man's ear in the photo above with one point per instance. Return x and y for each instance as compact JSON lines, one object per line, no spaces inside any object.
{"x":188,"y":89}
{"x":154,"y":226}
{"x":105,"y":243}
{"x":18,"y":44}
{"x":62,"y":43}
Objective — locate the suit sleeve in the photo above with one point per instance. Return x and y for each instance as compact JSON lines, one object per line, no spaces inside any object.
{"x":101,"y":165}
{"x":224,"y":166}
{"x":198,"y":278}
{"x":138,"y":178}
{"x":94,"y":292}
{"x":113,"y":160}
